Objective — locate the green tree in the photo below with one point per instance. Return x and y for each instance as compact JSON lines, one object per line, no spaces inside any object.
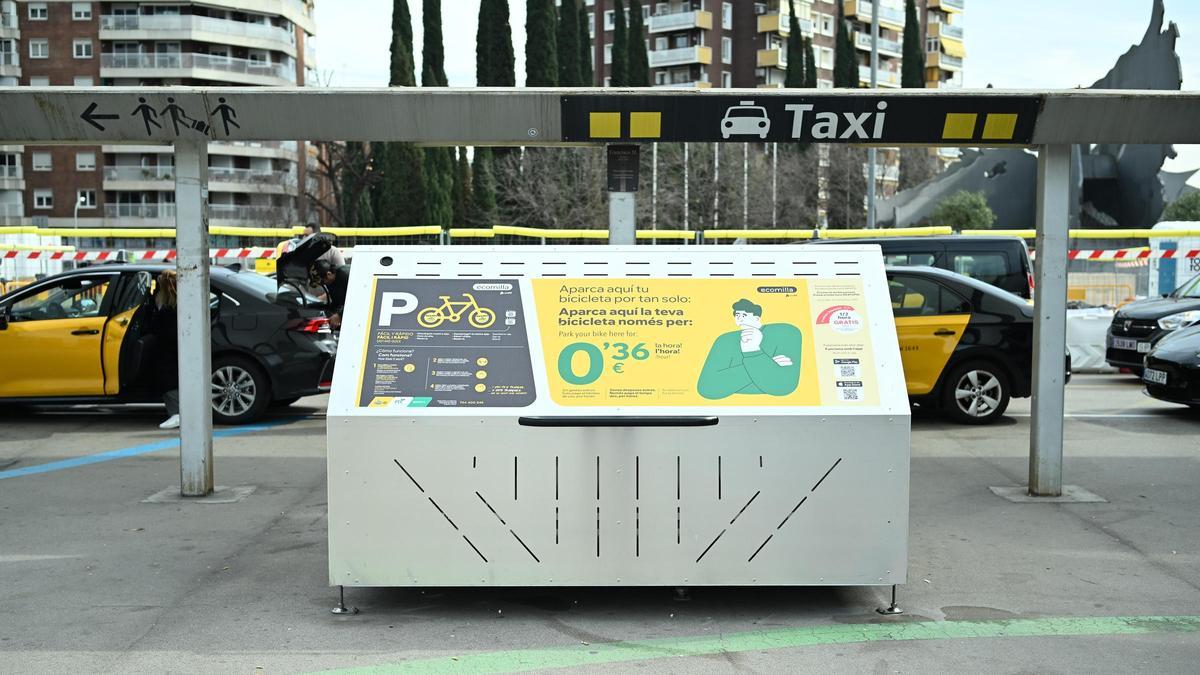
{"x":810,"y":65}
{"x":568,"y":44}
{"x":587,"y":74}
{"x":845,"y":59}
{"x":461,"y":196}
{"x":797,"y":55}
{"x":1186,"y":208}
{"x":639,"y":60}
{"x":963,"y":211}
{"x":619,"y":73}
{"x":398,"y":197}
{"x":483,"y":189}
{"x":495,"y":63}
{"x":541,"y":51}
{"x":912,"y":72}
{"x":439,"y":162}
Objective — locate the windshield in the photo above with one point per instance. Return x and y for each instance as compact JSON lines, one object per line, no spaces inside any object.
{"x":746,"y":112}
{"x":1190,"y":289}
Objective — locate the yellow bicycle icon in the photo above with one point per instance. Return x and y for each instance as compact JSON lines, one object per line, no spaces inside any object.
{"x":479,"y":317}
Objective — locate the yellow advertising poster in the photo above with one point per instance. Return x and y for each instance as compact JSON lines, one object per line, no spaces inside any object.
{"x":705,"y":342}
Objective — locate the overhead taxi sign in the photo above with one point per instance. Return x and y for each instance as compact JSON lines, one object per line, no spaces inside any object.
{"x":947,"y":120}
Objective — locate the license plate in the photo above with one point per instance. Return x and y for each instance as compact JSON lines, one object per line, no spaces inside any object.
{"x":1154,"y":376}
{"x":1132,"y":345}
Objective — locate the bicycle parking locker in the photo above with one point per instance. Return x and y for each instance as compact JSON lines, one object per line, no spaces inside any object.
{"x":1048,"y":121}
{"x":519,"y":416}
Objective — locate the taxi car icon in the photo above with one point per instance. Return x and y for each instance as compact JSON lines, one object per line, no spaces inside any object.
{"x":745,"y":119}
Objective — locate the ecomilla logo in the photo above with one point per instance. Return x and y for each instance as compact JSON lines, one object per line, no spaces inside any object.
{"x":841,"y":318}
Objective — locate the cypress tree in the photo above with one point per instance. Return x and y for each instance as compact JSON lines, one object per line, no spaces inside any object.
{"x":619,"y":73}
{"x":541,"y":52}
{"x":568,"y":44}
{"x":587,"y":74}
{"x":461,"y":196}
{"x":433,"y":56}
{"x":845,"y":61}
{"x":399,"y":196}
{"x":810,"y":65}
{"x":796,"y":55}
{"x":912,"y":74}
{"x":494,"y":59}
{"x":483,"y":189}
{"x":639,"y":59}
{"x":439,"y":162}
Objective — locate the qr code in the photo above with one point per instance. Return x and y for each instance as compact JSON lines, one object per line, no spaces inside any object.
{"x":847,"y":371}
{"x":850,"y":394}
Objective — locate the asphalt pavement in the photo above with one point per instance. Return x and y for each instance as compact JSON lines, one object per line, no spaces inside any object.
{"x":101,"y":570}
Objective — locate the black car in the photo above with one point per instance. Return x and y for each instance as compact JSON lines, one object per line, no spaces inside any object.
{"x":84,"y":337}
{"x":966,"y":346}
{"x":1000,"y":261}
{"x":1137,"y":327}
{"x":1172,"y":369}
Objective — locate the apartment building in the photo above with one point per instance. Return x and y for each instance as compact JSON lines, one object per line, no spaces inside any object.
{"x":153,"y":43}
{"x":743,"y":43}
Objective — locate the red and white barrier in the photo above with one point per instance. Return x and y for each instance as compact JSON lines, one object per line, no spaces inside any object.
{"x":1126,"y":254}
{"x":135,"y":256}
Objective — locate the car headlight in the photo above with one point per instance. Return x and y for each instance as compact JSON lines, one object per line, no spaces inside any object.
{"x":1179,"y":320}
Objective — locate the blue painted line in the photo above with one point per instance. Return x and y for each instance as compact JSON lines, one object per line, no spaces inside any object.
{"x":133,"y":451}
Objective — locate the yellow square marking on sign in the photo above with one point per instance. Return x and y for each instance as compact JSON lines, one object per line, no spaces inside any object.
{"x":999,"y":127}
{"x":645,"y":125}
{"x":959,"y":126}
{"x":604,"y":124}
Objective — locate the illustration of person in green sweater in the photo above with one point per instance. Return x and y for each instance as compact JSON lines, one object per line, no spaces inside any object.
{"x":755,"y":359}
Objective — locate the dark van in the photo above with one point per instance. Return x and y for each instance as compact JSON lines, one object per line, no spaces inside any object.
{"x":1000,"y":261}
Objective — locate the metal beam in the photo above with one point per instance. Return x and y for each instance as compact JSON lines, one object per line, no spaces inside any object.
{"x":195,"y":356}
{"x":1050,"y":323}
{"x":506,"y":116}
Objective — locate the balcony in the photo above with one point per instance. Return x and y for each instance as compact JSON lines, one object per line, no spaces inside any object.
{"x":779,"y":23}
{"x":663,"y":58}
{"x":139,"y":173}
{"x":11,"y":178}
{"x":10,"y":64}
{"x":892,"y":18}
{"x":945,"y":30}
{"x":661,"y":23}
{"x":200,"y":28}
{"x":8,"y":25}
{"x":772,"y":58}
{"x":948,"y":5}
{"x":202,"y":66}
{"x":230,"y":212}
{"x":12,"y":210}
{"x":943,"y":61}
{"x":141,"y":211}
{"x":886,"y":47}
{"x":685,"y":85}
{"x":884,"y":78}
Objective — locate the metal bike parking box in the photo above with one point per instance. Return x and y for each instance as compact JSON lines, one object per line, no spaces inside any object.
{"x":643,"y":415}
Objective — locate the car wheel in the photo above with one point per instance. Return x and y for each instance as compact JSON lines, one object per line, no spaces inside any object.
{"x":240,"y":390}
{"x":975,"y":392}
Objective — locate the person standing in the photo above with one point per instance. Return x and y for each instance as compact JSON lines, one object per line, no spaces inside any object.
{"x":336,"y":281}
{"x":164,"y":325}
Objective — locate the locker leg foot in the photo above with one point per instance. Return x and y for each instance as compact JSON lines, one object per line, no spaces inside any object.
{"x":341,"y":607}
{"x":891,"y":609}
{"x":682,"y":594}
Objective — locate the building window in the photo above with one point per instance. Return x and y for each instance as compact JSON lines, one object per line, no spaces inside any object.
{"x":608,"y":53}
{"x":826,"y":58}
{"x":86,"y":199}
{"x":39,"y":49}
{"x":84,"y":81}
{"x":81,"y":11}
{"x":727,"y":15}
{"x":661,"y":43}
{"x":41,"y":161}
{"x":609,"y":20}
{"x":726,"y":50}
{"x":83,"y":48}
{"x":824,"y":84}
{"x":660,"y":77}
{"x":43,"y":199}
{"x":85,"y":161}
{"x":592,"y":25}
{"x":38,"y":11}
{"x":933,"y":45}
{"x":9,"y":165}
{"x":826,"y":24}
{"x":662,"y":8}
{"x":608,"y":81}
{"x":726,"y":79}
{"x":39,"y":81}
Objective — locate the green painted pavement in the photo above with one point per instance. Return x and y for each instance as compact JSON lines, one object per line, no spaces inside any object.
{"x":618,"y":652}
